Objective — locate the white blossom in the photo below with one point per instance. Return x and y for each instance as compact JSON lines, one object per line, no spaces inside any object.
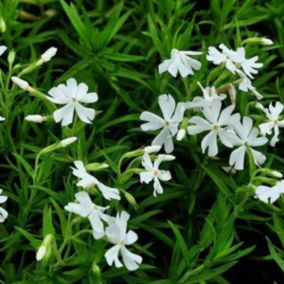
{"x":209,"y":95}
{"x":21,"y":83}
{"x":181,"y":62}
{"x":48,"y":54}
{"x":269,"y":194}
{"x":72,"y":95}
{"x":87,"y":209}
{"x":234,"y":60}
{"x":87,"y":181}
{"x":117,"y":234}
{"x":172,"y":116}
{"x":153,"y":173}
{"x":3,"y":212}
{"x":247,"y":136}
{"x":274,"y":123}
{"x":3,"y":48}
{"x":218,"y":123}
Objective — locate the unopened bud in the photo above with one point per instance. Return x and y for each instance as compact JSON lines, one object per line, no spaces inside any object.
{"x":181,"y":134}
{"x":21,"y":83}
{"x":152,"y":149}
{"x":67,"y":141}
{"x":48,"y":54}
{"x":266,"y":41}
{"x":3,"y":48}
{"x":259,"y":106}
{"x":36,"y":118}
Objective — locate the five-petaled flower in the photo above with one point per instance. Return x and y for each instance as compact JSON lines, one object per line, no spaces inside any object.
{"x":154,"y":173}
{"x":72,"y":95}
{"x":181,"y":62}
{"x":87,"y":209}
{"x":117,"y":234}
{"x":87,"y":181}
{"x":219,"y":124}
{"x":274,"y":123}
{"x":172,"y":116}
{"x":247,"y":136}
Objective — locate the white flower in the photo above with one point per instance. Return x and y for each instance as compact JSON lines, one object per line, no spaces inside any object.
{"x":117,"y":234}
{"x":21,"y":83}
{"x":87,"y":181}
{"x":216,"y":123}
{"x":71,"y":95}
{"x":225,"y":57}
{"x":181,"y":62}
{"x":273,"y":113}
{"x":36,"y":118}
{"x":87,"y":209}
{"x":269,"y":194}
{"x":2,"y":118}
{"x":154,"y":173}
{"x":48,"y":54}
{"x":245,"y":85}
{"x":3,"y":48}
{"x":172,"y":116}
{"x":3,"y":212}
{"x":67,"y":141}
{"x":247,"y":137}
{"x":209,"y":95}
{"x":250,"y":65}
{"x":234,"y":60}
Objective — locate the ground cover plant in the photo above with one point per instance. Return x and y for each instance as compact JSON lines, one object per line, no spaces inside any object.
{"x":141,"y":141}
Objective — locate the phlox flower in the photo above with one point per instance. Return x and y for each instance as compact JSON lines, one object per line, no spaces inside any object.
{"x":269,"y":194}
{"x":234,"y":60}
{"x":274,"y":122}
{"x":87,"y":181}
{"x":172,"y":116}
{"x":153,"y":173}
{"x":247,"y":136}
{"x":3,"y":212}
{"x":218,"y":123}
{"x":180,"y":62}
{"x":72,"y":95}
{"x":117,"y":234}
{"x":209,"y":95}
{"x":87,"y":209}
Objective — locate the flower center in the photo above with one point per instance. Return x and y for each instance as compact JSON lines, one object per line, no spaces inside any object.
{"x":276,"y":121}
{"x":167,"y":123}
{"x":216,"y":127}
{"x":156,"y":172}
{"x":74,"y":100}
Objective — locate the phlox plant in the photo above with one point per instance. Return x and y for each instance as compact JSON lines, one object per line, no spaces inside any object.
{"x":141,"y":142}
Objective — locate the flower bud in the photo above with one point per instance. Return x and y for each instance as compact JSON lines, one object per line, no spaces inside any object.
{"x":45,"y":248}
{"x":96,"y":166}
{"x":259,"y":106}
{"x":48,"y":54}
{"x":37,"y":118}
{"x":65,"y":142}
{"x":266,"y":41}
{"x":181,"y":134}
{"x":276,"y":174}
{"x":2,"y":118}
{"x":3,"y":26}
{"x":11,"y":57}
{"x":152,"y":149}
{"x":21,"y":83}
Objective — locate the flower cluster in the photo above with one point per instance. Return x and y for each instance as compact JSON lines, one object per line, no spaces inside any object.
{"x":211,"y":116}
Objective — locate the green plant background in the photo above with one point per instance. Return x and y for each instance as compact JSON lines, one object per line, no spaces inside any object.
{"x":206,"y":227}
